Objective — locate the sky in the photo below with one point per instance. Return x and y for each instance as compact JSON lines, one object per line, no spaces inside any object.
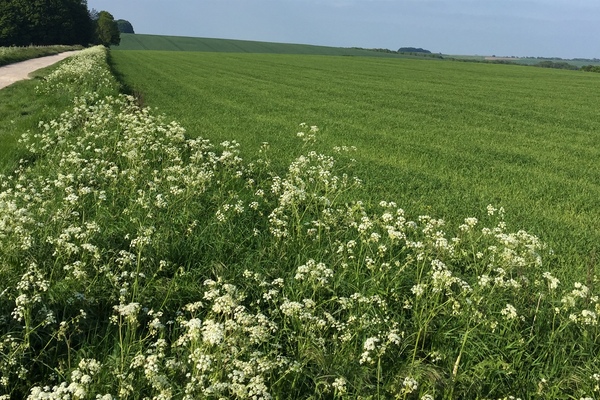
{"x":539,"y":28}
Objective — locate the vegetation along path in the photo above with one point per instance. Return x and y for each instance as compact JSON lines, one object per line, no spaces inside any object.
{"x":12,"y":73}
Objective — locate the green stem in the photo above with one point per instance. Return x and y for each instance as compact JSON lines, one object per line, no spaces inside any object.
{"x":416,"y":347}
{"x":378,"y":378}
{"x":134,"y":292}
{"x":457,"y":362}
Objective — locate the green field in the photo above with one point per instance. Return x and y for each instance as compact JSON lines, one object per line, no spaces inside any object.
{"x":138,"y":261}
{"x":577,"y":62}
{"x":444,"y":138}
{"x":530,"y":61}
{"x":181,"y":43}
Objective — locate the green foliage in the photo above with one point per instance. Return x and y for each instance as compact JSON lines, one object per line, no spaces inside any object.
{"x":556,"y":64}
{"x":107,"y":30}
{"x":405,"y":52}
{"x":141,"y":263}
{"x":125,"y":26}
{"x":413,"y":50}
{"x":591,"y":68}
{"x":42,"y":22}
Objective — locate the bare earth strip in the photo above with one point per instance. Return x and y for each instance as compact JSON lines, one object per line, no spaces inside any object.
{"x":12,"y":73}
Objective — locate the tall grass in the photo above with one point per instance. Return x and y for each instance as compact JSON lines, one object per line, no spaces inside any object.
{"x":140,"y":263}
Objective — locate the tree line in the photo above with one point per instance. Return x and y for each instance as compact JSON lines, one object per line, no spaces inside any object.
{"x":50,"y":22}
{"x":556,"y":64}
{"x":591,"y":68}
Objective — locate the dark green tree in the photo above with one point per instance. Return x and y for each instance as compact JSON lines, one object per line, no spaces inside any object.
{"x":125,"y":26}
{"x":107,"y":30}
{"x":82,"y":24}
{"x":45,"y":22}
{"x":13,"y":23}
{"x":413,"y":50}
{"x":556,"y":64}
{"x":591,"y":68}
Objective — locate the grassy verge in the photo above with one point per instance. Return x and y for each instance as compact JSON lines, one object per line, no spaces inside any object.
{"x":141,"y":263}
{"x":21,"y":110}
{"x":10,"y":55}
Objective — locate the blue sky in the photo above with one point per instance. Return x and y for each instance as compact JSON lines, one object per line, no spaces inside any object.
{"x":550,"y":28}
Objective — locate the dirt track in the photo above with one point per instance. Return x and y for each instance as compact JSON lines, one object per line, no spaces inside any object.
{"x":12,"y":73}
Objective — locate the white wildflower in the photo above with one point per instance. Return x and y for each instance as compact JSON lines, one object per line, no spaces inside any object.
{"x":409,"y":385}
{"x":339,"y":384}
{"x":212,"y":332}
{"x":127,"y":310}
{"x":509,"y":312}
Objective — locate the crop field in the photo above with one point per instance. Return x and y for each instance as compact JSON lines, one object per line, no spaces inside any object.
{"x":438,"y":137}
{"x":182,"y":43}
{"x":144,"y":258}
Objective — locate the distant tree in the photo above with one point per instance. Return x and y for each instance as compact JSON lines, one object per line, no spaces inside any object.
{"x":556,"y":64}
{"x":44,"y":22}
{"x":83,"y":25}
{"x":107,"y":30}
{"x":413,"y":50}
{"x":125,"y":26}
{"x":13,"y":23}
{"x":591,"y":68}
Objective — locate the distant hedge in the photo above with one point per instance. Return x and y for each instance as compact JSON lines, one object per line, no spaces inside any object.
{"x":556,"y":64}
{"x":591,"y":68}
{"x":413,"y":50}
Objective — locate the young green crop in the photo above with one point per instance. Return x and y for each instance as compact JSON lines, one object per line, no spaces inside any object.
{"x":182,"y":43}
{"x":444,"y":137}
